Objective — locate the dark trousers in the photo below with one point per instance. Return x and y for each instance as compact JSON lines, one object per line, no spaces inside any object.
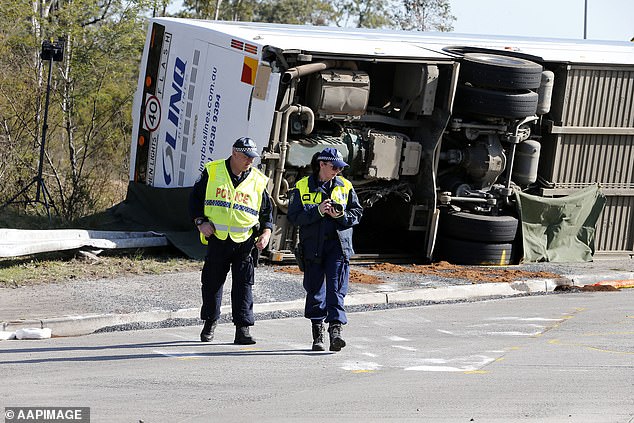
{"x":326,"y":284}
{"x":222,"y":255}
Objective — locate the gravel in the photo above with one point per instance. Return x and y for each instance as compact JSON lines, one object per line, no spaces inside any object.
{"x":132,"y":294}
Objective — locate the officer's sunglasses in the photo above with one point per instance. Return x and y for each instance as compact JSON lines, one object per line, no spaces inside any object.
{"x":335,"y":168}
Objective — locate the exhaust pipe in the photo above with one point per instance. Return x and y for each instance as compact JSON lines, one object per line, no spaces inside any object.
{"x":307,"y":69}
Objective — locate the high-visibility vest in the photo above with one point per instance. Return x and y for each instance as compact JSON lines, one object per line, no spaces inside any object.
{"x":339,"y":193}
{"x":234,"y":211}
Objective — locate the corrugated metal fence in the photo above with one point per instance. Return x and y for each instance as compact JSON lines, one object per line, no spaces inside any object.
{"x":591,"y":140}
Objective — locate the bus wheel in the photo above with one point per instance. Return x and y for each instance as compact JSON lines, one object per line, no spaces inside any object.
{"x":458,"y":251}
{"x":476,"y":227}
{"x":481,"y":101}
{"x":502,"y":72}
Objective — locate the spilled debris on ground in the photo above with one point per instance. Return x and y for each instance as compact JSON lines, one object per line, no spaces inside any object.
{"x":475,"y":274}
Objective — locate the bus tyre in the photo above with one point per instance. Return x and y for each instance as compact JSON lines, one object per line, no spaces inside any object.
{"x":501,"y":72}
{"x":475,"y":227}
{"x":458,"y":251}
{"x":481,"y":101}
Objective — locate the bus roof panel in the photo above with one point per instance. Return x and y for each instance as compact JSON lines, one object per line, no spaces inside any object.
{"x":412,"y":44}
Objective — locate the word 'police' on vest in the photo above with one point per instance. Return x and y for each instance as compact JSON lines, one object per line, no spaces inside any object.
{"x":239,"y":197}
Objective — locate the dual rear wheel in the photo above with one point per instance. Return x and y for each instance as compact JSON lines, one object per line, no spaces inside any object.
{"x":499,"y":86}
{"x":489,"y":85}
{"x":468,"y":238}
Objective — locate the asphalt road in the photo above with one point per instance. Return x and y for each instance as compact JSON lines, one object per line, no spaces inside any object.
{"x":548,"y":358}
{"x":78,"y":307}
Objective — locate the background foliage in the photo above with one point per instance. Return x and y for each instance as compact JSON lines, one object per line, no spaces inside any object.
{"x":85,"y":166}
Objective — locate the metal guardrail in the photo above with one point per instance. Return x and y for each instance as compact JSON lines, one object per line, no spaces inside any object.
{"x":21,"y":242}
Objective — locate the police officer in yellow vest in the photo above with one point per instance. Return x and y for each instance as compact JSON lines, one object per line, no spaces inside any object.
{"x":325,"y":207}
{"x":232,"y":211}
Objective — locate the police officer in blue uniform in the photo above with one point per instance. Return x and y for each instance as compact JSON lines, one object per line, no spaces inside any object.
{"x":325,"y":207}
{"x":232,"y":211}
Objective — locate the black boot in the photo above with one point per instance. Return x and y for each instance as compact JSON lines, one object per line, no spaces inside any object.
{"x":208,"y":330}
{"x":336,"y":341}
{"x":243,"y":337}
{"x":319,"y":337}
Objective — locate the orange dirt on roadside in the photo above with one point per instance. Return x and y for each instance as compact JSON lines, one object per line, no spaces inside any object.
{"x":355,"y":275}
{"x":473,"y":273}
{"x":476,"y":274}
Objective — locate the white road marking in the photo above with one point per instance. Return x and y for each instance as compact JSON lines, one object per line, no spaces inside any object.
{"x":437,"y":369}
{"x":496,"y":326}
{"x":187,"y":354}
{"x":360,"y":365}
{"x":525,"y":319}
{"x":460,"y":364}
{"x":514,"y":333}
{"x":397,"y":339}
{"x":533,"y":325}
{"x":491,"y":333}
{"x":403,"y":347}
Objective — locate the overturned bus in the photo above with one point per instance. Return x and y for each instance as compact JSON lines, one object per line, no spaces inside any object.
{"x":471,"y":149}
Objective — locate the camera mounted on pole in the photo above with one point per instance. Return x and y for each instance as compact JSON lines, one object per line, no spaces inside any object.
{"x":53,"y":51}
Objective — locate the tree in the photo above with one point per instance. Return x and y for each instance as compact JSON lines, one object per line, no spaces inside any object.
{"x":20,"y":94}
{"x":426,"y":15}
{"x":306,"y":12}
{"x":228,"y":10}
{"x":364,"y":13}
{"x":422,"y":15}
{"x":89,"y":114}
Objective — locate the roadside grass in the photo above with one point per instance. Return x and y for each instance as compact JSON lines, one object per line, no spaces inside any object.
{"x":75,"y":265}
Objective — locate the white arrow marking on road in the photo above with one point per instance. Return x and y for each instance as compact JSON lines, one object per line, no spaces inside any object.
{"x":397,"y":338}
{"x":360,"y":365}
{"x":403,"y":347}
{"x":525,"y":319}
{"x":188,"y":354}
{"x":463,"y":364}
{"x":514,"y":333}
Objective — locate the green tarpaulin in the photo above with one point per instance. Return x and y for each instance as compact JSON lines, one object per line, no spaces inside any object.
{"x":560,"y":229}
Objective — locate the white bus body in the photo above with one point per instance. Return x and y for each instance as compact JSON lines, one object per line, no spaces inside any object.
{"x":431,"y":124}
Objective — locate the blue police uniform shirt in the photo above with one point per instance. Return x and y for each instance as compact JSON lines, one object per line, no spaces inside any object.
{"x":315,"y":229}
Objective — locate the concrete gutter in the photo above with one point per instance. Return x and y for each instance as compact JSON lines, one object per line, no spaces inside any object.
{"x":617,"y":280}
{"x":85,"y":324}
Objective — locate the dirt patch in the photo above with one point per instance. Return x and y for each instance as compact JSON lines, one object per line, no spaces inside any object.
{"x":359,"y":277}
{"x":476,"y":274}
{"x":355,"y":275}
{"x":289,"y":269}
{"x":586,"y":288}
